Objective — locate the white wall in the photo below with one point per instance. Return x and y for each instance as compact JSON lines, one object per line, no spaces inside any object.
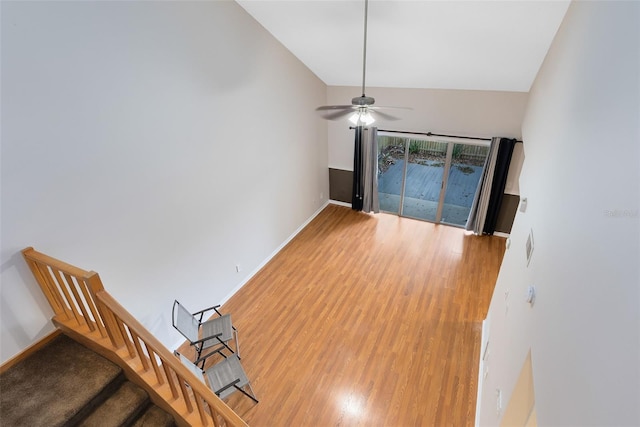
{"x":581,"y":177}
{"x":158,"y":143}
{"x":458,"y":112}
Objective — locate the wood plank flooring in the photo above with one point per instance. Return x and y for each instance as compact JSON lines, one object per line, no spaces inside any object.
{"x":366,"y":320}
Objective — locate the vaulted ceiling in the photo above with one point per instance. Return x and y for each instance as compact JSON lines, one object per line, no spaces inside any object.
{"x":449,"y":44}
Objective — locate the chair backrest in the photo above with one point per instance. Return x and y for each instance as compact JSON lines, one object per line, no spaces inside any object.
{"x":192,"y":367}
{"x":184,"y":322}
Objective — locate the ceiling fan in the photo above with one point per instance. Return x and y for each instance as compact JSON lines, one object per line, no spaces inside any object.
{"x":361,"y":110}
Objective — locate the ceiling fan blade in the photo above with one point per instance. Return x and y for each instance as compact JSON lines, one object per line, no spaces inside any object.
{"x":336,"y":114}
{"x":378,"y":113}
{"x":386,"y":107}
{"x":334,"y":107}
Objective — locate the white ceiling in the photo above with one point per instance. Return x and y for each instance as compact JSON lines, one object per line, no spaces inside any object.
{"x":447,"y":44}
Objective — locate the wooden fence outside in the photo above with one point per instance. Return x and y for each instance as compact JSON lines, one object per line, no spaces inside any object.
{"x":475,"y":153}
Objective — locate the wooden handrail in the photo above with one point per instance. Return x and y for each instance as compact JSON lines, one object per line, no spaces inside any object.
{"x":85,"y":310}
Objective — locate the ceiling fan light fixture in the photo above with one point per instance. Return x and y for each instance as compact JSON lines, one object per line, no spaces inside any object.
{"x":361,"y":117}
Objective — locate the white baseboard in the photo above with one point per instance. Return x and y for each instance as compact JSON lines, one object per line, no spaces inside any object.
{"x":336,"y":202}
{"x":274,"y":253}
{"x":501,"y":234}
{"x":480,"y":371}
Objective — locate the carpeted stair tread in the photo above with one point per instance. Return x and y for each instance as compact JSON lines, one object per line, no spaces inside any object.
{"x":155,"y":417}
{"x":121,"y":408}
{"x":61,"y":380}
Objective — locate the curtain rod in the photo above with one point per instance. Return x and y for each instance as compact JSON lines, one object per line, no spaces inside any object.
{"x":433,"y":134}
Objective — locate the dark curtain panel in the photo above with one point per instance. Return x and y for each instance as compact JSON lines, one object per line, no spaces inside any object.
{"x":356,"y":198}
{"x":503,"y":160}
{"x":370,"y":201}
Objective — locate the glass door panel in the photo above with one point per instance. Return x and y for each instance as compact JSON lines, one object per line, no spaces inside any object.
{"x":462,"y":181}
{"x":425,"y":167}
{"x":391,"y":168}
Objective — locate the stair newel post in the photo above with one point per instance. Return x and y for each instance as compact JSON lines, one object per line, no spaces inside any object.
{"x":94,"y":284}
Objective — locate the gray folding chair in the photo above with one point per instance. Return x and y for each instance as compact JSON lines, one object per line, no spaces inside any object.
{"x":212,"y":335}
{"x":224,"y":378}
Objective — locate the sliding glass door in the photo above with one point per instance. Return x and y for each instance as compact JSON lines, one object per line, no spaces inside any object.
{"x":425,"y":165}
{"x":463,"y":179}
{"x":431,"y":180}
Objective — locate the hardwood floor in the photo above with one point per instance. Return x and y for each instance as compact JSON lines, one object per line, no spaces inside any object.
{"x":366,"y":320}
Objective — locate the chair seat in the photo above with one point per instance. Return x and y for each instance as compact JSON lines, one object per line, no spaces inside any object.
{"x":220,"y":327}
{"x":225,"y":373}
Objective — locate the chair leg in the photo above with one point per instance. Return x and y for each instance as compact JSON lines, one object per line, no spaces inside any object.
{"x":230,"y":349}
{"x":252,"y":392}
{"x":222,"y":343}
{"x":247,"y":394}
{"x":235,"y":333}
{"x":204,"y":358}
{"x":198,"y":354}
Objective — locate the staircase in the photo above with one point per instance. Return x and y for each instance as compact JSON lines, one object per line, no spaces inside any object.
{"x":66,"y":384}
{"x":86,"y":312}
